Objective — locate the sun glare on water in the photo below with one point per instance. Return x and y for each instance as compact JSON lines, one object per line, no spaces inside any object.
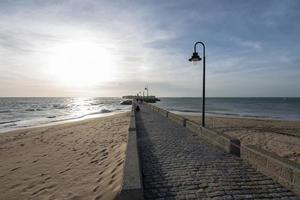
{"x":80,"y":63}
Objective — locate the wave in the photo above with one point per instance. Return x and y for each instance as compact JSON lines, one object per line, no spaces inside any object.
{"x":33,"y":109}
{"x":5,"y":111}
{"x":51,"y":116}
{"x":6,"y":122}
{"x":96,"y":104}
{"x":184,"y":110}
{"x":242,"y":115}
{"x":59,"y":106}
{"x":102,"y":111}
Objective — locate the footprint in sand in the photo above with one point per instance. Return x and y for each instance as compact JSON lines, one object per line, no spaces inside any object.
{"x":44,"y":188}
{"x":31,"y":185}
{"x":68,"y":169}
{"x":103,"y":150}
{"x":113,"y":176}
{"x":35,"y":161}
{"x":111,"y":182}
{"x":105,"y":154}
{"x":73,"y":149}
{"x":15,"y":186}
{"x":99,"y":179}
{"x":95,"y":156}
{"x":14,"y":169}
{"x":95,"y":189}
{"x":103,"y":158}
{"x":120,"y":163}
{"x":100,"y":173}
{"x":94,"y":161}
{"x":98,"y":197}
{"x":115,"y":168}
{"x":79,"y":158}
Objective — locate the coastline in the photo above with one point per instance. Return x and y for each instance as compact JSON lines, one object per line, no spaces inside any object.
{"x":235,"y":116}
{"x":73,"y":160}
{"x":278,"y":136}
{"x":57,"y":122}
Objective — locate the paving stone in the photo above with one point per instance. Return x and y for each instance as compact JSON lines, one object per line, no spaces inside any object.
{"x":177,"y":164}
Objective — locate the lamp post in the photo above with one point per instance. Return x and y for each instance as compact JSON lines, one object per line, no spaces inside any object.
{"x":146,"y":88}
{"x":195,"y":58}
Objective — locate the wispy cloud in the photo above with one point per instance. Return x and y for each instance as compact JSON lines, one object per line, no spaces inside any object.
{"x":150,"y":42}
{"x":246,"y":43}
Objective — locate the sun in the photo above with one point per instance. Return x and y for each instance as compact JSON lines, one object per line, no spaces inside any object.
{"x":80,"y":62}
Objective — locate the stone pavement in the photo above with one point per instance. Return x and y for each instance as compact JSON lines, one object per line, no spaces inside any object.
{"x":178,"y":164}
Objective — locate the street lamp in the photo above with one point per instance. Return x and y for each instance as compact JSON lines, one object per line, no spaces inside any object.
{"x":194,"y":59}
{"x":146,"y":88}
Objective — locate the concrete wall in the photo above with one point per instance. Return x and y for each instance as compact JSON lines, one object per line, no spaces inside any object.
{"x":177,"y":118}
{"x":193,"y":126}
{"x":229,"y":144}
{"x":281,"y":170}
{"x":132,"y":187}
{"x":163,"y":112}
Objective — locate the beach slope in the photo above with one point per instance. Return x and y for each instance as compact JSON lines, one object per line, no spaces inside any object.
{"x":276,"y":136}
{"x":76,"y":160}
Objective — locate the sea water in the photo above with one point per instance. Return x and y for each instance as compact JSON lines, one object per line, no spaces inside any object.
{"x":18,"y":113}
{"x":273,"y":108}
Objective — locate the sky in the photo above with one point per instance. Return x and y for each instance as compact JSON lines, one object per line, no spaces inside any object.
{"x":116,"y":47}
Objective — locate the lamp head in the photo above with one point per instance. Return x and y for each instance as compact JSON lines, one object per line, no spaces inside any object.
{"x":195,"y":57}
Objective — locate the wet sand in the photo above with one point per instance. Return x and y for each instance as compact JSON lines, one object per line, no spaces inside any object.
{"x":76,"y":160}
{"x":280,"y":137}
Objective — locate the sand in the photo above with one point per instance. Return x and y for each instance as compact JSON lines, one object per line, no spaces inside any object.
{"x":279,"y":137}
{"x":76,"y":160}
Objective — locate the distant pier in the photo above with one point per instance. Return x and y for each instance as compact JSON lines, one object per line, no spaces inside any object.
{"x":148,"y":99}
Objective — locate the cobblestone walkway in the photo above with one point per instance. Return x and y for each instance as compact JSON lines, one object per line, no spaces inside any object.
{"x":177,"y":164}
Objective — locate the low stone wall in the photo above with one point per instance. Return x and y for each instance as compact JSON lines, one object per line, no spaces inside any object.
{"x":281,"y":170}
{"x":193,"y":126}
{"x":163,"y":112}
{"x":229,"y":144}
{"x":177,"y":118}
{"x":132,"y":187}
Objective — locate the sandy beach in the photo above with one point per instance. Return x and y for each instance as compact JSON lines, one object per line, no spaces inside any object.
{"x":280,"y":137}
{"x":75,"y":160}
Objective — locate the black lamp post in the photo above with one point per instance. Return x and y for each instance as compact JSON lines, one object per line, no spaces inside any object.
{"x":195,"y":58}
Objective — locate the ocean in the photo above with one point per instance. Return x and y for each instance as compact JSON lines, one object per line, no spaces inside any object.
{"x":272,"y":108}
{"x":18,"y":113}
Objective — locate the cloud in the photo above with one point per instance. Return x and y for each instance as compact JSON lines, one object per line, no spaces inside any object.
{"x":246,"y":43}
{"x":149,"y":42}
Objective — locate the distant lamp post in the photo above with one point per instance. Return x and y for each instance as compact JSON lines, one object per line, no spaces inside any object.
{"x":194,"y":59}
{"x":146,"y":88}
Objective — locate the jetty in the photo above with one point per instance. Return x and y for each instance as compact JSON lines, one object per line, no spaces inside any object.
{"x":170,"y":157}
{"x":147,"y":99}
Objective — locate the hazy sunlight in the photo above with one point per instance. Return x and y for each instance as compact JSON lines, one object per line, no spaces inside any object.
{"x":80,"y":62}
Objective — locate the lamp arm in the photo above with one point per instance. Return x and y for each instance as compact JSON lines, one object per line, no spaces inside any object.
{"x":202,"y":45}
